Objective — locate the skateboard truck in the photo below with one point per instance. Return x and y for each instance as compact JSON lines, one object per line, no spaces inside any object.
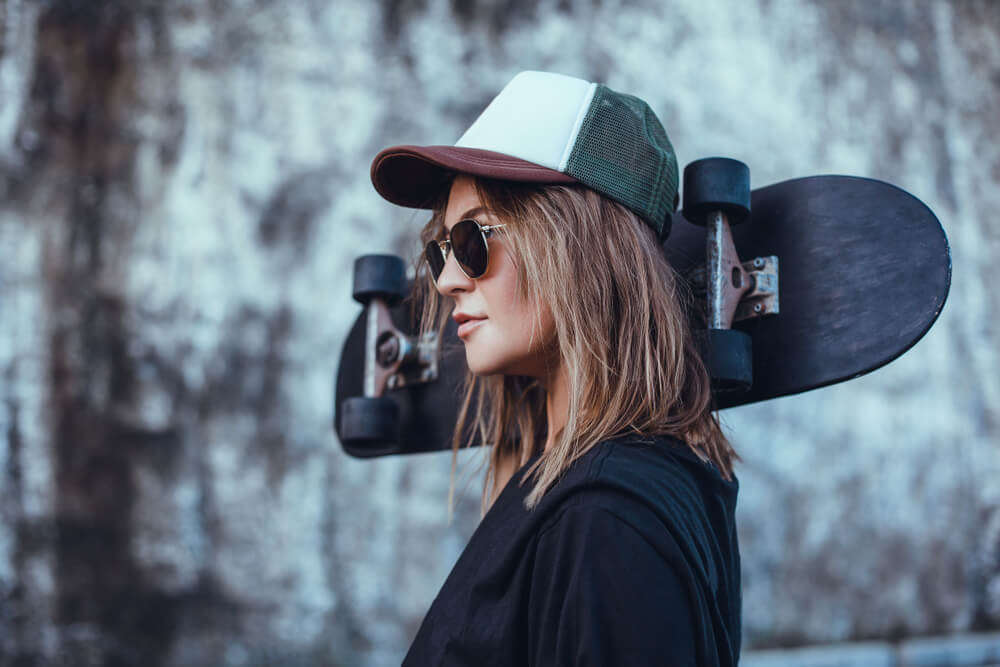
{"x":392,"y":358}
{"x":716,"y":195}
{"x":762,"y":297}
{"x":759,"y":278}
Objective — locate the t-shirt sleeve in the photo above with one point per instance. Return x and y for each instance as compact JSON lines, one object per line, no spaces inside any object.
{"x":602,"y":594}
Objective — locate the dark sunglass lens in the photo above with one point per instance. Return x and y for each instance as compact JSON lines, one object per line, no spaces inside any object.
{"x":435,"y":258}
{"x":469,"y":246}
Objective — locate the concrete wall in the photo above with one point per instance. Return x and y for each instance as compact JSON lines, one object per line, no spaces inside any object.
{"x":184,"y":187}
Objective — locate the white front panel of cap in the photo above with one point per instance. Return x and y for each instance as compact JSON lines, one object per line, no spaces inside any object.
{"x":535,"y":117}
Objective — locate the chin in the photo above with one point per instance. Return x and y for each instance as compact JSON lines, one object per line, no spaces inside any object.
{"x":496,"y":365}
{"x":483,"y":367}
{"x":486,"y":364}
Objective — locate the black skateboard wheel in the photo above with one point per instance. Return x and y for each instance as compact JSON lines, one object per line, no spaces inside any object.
{"x":369,"y":420}
{"x":379,"y":276}
{"x":728,"y":355}
{"x":716,"y":184}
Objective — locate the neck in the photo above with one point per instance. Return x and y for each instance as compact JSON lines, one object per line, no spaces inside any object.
{"x":556,"y":403}
{"x":556,"y":412}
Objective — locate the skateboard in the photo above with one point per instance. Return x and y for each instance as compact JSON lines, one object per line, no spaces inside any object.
{"x":801,"y":284}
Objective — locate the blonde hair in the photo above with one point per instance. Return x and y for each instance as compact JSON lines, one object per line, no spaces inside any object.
{"x":622,"y":320}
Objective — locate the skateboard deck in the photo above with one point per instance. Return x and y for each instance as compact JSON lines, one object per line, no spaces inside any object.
{"x":863,"y":271}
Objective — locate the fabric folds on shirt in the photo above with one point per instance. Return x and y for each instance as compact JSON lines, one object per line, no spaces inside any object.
{"x":631,"y":558}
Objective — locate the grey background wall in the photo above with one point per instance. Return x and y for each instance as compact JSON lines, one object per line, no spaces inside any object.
{"x":184,"y":187}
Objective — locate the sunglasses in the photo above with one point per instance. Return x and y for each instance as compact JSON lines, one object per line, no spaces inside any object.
{"x":467,"y":239}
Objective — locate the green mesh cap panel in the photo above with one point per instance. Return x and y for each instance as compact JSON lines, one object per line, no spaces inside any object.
{"x":623,"y":152}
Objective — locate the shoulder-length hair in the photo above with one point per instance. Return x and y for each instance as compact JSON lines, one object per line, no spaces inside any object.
{"x":623,"y":328}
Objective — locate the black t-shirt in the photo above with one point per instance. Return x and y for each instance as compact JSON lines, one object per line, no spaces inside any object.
{"x":630,"y":558}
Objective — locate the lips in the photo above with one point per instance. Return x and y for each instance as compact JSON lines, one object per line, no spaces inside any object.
{"x":467,"y":322}
{"x":466,"y":327}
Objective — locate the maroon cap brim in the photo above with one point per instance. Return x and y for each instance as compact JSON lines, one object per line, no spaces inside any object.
{"x":416,"y":176}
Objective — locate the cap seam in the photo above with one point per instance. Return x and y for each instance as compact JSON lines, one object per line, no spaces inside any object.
{"x":574,"y":133}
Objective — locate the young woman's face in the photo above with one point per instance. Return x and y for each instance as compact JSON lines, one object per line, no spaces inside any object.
{"x":498,"y":338}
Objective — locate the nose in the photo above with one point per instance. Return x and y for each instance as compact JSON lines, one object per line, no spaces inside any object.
{"x":452,"y":279}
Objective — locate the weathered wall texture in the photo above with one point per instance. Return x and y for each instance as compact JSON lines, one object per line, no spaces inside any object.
{"x":184,"y":187}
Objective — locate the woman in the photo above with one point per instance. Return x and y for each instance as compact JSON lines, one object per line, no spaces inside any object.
{"x":610,"y":535}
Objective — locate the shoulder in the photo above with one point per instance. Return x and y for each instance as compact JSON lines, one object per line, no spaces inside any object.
{"x":610,"y":578}
{"x":655,"y":486}
{"x":593,"y":530}
{"x":659,"y":472}
{"x":663,"y":496}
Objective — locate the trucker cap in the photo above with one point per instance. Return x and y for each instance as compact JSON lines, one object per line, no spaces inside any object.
{"x":548,"y":128}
